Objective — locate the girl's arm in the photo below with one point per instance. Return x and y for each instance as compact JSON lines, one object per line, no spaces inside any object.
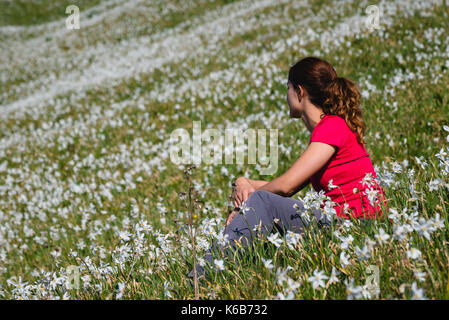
{"x":259,"y":183}
{"x":256,"y":183}
{"x":311,"y":161}
{"x":297,"y":177}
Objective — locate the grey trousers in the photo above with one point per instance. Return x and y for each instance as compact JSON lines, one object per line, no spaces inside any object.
{"x":268,"y":212}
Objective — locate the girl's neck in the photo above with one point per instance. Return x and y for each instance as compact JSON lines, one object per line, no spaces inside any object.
{"x":311,"y":116}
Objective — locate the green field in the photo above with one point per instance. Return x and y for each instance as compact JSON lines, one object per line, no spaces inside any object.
{"x":86,"y":115}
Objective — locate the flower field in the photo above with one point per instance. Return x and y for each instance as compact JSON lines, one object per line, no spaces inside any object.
{"x":86,"y":179}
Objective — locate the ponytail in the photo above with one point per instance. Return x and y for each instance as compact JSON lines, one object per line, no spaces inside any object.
{"x":342,"y":98}
{"x":335,"y":95}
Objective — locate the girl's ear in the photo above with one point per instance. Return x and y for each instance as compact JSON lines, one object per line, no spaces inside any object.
{"x":299,"y":92}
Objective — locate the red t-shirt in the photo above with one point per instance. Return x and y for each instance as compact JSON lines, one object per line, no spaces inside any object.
{"x":348,"y":169}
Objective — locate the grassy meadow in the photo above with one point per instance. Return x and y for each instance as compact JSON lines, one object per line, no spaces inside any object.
{"x":86,"y":115}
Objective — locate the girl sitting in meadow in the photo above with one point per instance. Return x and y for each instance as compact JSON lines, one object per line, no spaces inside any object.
{"x":335,"y":162}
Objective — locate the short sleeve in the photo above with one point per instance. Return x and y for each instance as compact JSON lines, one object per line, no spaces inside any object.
{"x":331,"y":130}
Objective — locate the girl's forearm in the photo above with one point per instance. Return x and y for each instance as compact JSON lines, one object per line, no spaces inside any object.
{"x":276,"y":186}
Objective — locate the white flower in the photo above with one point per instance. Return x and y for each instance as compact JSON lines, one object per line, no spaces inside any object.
{"x":353,"y":292}
{"x":435,"y":184}
{"x":268,"y":263}
{"x":329,"y":211}
{"x":425,"y":228}
{"x":382,"y":237}
{"x":167,"y":288}
{"x":437,"y":222}
{"x":331,"y":184}
{"x":333,"y":278}
{"x":367,"y":179}
{"x":318,"y":279}
{"x":372,"y":195}
{"x":124,"y":236}
{"x":366,"y":293}
{"x":346,"y":208}
{"x":440,"y":155}
{"x":344,"y":259}
{"x":421,"y":163}
{"x":292,"y":239}
{"x":363,"y":254}
{"x":282,"y":296}
{"x":394,"y":215}
{"x":347,"y":224}
{"x":399,"y":232}
{"x":281,"y":275}
{"x":346,"y":241}
{"x":120,"y":290}
{"x":417,"y":293}
{"x":244,"y":208}
{"x":201,"y":262}
{"x":421,"y":276}
{"x":222,"y":239}
{"x":274,"y":238}
{"x":219,"y":264}
{"x":292,"y":285}
{"x":413,"y":253}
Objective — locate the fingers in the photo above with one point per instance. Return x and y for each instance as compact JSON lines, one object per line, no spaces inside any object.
{"x":238,"y":198}
{"x":245,"y":196}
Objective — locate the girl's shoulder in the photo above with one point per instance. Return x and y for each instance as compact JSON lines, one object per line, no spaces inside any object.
{"x":333,"y":122}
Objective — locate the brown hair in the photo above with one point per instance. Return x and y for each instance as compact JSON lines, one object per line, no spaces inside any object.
{"x":335,"y":95}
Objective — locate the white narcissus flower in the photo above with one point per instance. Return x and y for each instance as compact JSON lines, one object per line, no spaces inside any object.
{"x":364,"y":253}
{"x":318,"y":279}
{"x":420,"y":275}
{"x":219,"y":264}
{"x":331,"y":184}
{"x":292,"y":239}
{"x":417,"y":293}
{"x":372,"y":195}
{"x":120,"y":290}
{"x":244,"y":208}
{"x":353,"y":292}
{"x":274,"y":238}
{"x":382,"y":237}
{"x":344,"y":259}
{"x":413,"y":253}
{"x":437,"y":222}
{"x":124,"y":236}
{"x":368,"y":179}
{"x":333,"y":278}
{"x":282,"y":296}
{"x":329,"y":211}
{"x":346,"y":241}
{"x":268,"y":263}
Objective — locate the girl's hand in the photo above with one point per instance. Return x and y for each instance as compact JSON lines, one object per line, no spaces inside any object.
{"x":243,"y":191}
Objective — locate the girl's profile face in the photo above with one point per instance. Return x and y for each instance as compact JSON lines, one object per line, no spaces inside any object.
{"x":292,"y":100}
